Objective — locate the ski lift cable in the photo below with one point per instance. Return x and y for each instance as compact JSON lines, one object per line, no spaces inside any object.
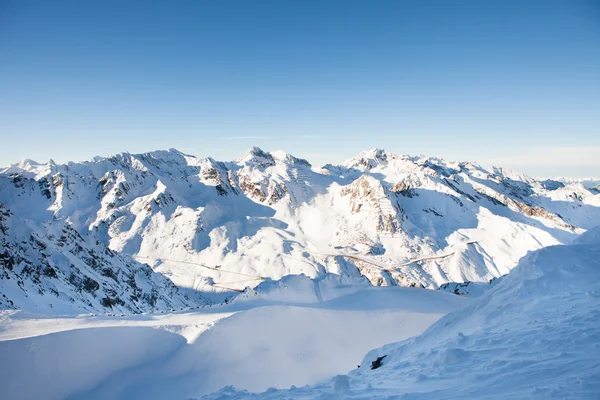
{"x":243,"y":280}
{"x":202,"y":265}
{"x":389,"y":269}
{"x":227,"y":288}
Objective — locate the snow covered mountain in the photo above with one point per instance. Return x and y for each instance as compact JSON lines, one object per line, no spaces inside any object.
{"x":537,"y":328}
{"x":534,"y":335}
{"x":49,"y":267}
{"x":214,"y":226}
{"x":591,"y":183}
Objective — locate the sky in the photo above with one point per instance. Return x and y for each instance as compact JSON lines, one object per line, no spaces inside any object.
{"x":509,"y":83}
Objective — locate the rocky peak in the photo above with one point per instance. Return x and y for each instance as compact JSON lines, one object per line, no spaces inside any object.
{"x":438,"y":167}
{"x":368,"y":160}
{"x":52,"y":266}
{"x":365,"y":189}
{"x":257,"y":157}
{"x":550,"y":184}
{"x":29,"y":168}
{"x":160,"y":202}
{"x":367,"y":193}
{"x":215,"y":173}
{"x":288,"y":159}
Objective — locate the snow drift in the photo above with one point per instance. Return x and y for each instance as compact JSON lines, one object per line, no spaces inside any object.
{"x":255,"y":343}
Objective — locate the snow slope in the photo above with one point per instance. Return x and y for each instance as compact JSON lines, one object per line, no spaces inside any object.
{"x":217,"y":227}
{"x":535,"y":334}
{"x":258,"y":341}
{"x":51,"y":268}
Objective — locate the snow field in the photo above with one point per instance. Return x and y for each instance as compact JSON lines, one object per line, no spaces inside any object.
{"x":255,"y":343}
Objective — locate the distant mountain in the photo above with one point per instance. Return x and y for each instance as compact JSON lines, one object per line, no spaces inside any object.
{"x":592,"y":184}
{"x":213,"y":226}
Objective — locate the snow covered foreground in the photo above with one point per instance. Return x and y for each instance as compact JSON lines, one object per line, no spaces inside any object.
{"x":535,"y":335}
{"x":294,"y":332}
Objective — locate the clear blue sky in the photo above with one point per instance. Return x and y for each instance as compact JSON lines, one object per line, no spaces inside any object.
{"x":505,"y":82}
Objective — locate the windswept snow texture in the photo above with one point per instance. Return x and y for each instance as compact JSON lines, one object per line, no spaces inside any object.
{"x":259,"y":341}
{"x":534,"y":335}
{"x":397,"y":220}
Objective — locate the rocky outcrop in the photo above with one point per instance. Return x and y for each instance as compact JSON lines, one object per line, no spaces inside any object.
{"x":257,"y":158}
{"x":216,"y":174}
{"x":368,"y":195}
{"x":52,"y":267}
{"x":259,"y":213}
{"x":404,"y":189}
{"x":368,"y":160}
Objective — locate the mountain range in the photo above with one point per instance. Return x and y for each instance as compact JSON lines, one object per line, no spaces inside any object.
{"x":164,"y":230}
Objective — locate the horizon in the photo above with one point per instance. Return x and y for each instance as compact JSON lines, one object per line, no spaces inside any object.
{"x":270,"y":151}
{"x":514,"y":84}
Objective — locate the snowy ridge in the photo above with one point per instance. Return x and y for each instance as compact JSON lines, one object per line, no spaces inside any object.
{"x":537,"y":329}
{"x":395,"y":219}
{"x":51,"y":268}
{"x":590,"y":183}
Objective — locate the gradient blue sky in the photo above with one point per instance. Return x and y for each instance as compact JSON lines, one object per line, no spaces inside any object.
{"x":514,"y":83}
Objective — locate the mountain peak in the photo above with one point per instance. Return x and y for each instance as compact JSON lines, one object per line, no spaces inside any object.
{"x":162,"y":203}
{"x":368,"y":159}
{"x":256,"y":151}
{"x":287,"y":158}
{"x":27,"y":162}
{"x":377,"y":153}
{"x":257,"y":156}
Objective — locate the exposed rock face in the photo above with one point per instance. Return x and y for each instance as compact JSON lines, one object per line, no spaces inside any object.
{"x":404,"y":189}
{"x":550,"y":184}
{"x":217,"y":174}
{"x":266,"y":214}
{"x":534,"y":211}
{"x":367,"y":194}
{"x":369,"y":159}
{"x":461,"y":289}
{"x":256,"y":157}
{"x":253,"y":190}
{"x":53,"y":268}
{"x":519,"y":203}
{"x":275,"y":192}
